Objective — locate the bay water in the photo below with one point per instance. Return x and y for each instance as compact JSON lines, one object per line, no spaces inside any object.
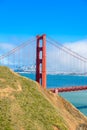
{"x":77,"y":98}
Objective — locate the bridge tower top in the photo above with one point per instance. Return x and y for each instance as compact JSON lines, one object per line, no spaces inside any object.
{"x":41,"y":60}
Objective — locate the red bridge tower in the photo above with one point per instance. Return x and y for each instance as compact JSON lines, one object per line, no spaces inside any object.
{"x":41,"y":60}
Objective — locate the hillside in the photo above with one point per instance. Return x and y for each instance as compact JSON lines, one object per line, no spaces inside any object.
{"x":24,"y":105}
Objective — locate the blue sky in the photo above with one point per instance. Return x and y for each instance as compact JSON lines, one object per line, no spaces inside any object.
{"x":65,"y":20}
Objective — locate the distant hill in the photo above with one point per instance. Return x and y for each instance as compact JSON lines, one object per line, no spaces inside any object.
{"x":24,"y":105}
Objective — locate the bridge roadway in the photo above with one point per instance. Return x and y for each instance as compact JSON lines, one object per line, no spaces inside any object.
{"x":68,"y":89}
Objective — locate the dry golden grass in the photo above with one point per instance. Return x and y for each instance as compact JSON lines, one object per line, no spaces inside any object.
{"x":24,"y":105}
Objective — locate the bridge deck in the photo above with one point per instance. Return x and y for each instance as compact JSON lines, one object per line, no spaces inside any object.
{"x":68,"y":89}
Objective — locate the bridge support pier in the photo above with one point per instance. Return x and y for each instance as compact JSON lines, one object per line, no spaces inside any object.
{"x":41,"y":60}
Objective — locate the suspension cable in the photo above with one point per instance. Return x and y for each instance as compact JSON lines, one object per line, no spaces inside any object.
{"x":17,"y":48}
{"x":67,"y":50}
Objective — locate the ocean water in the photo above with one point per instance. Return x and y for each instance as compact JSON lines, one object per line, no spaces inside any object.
{"x":78,"y":98}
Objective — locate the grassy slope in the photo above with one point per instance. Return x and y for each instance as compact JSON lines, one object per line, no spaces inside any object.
{"x":25,"y":106}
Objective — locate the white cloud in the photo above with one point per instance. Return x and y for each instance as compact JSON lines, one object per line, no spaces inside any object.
{"x":60,"y":61}
{"x":23,"y":56}
{"x":79,"y":47}
{"x":5,"y":47}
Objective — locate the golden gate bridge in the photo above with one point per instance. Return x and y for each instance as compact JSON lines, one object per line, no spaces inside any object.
{"x":43,"y":55}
